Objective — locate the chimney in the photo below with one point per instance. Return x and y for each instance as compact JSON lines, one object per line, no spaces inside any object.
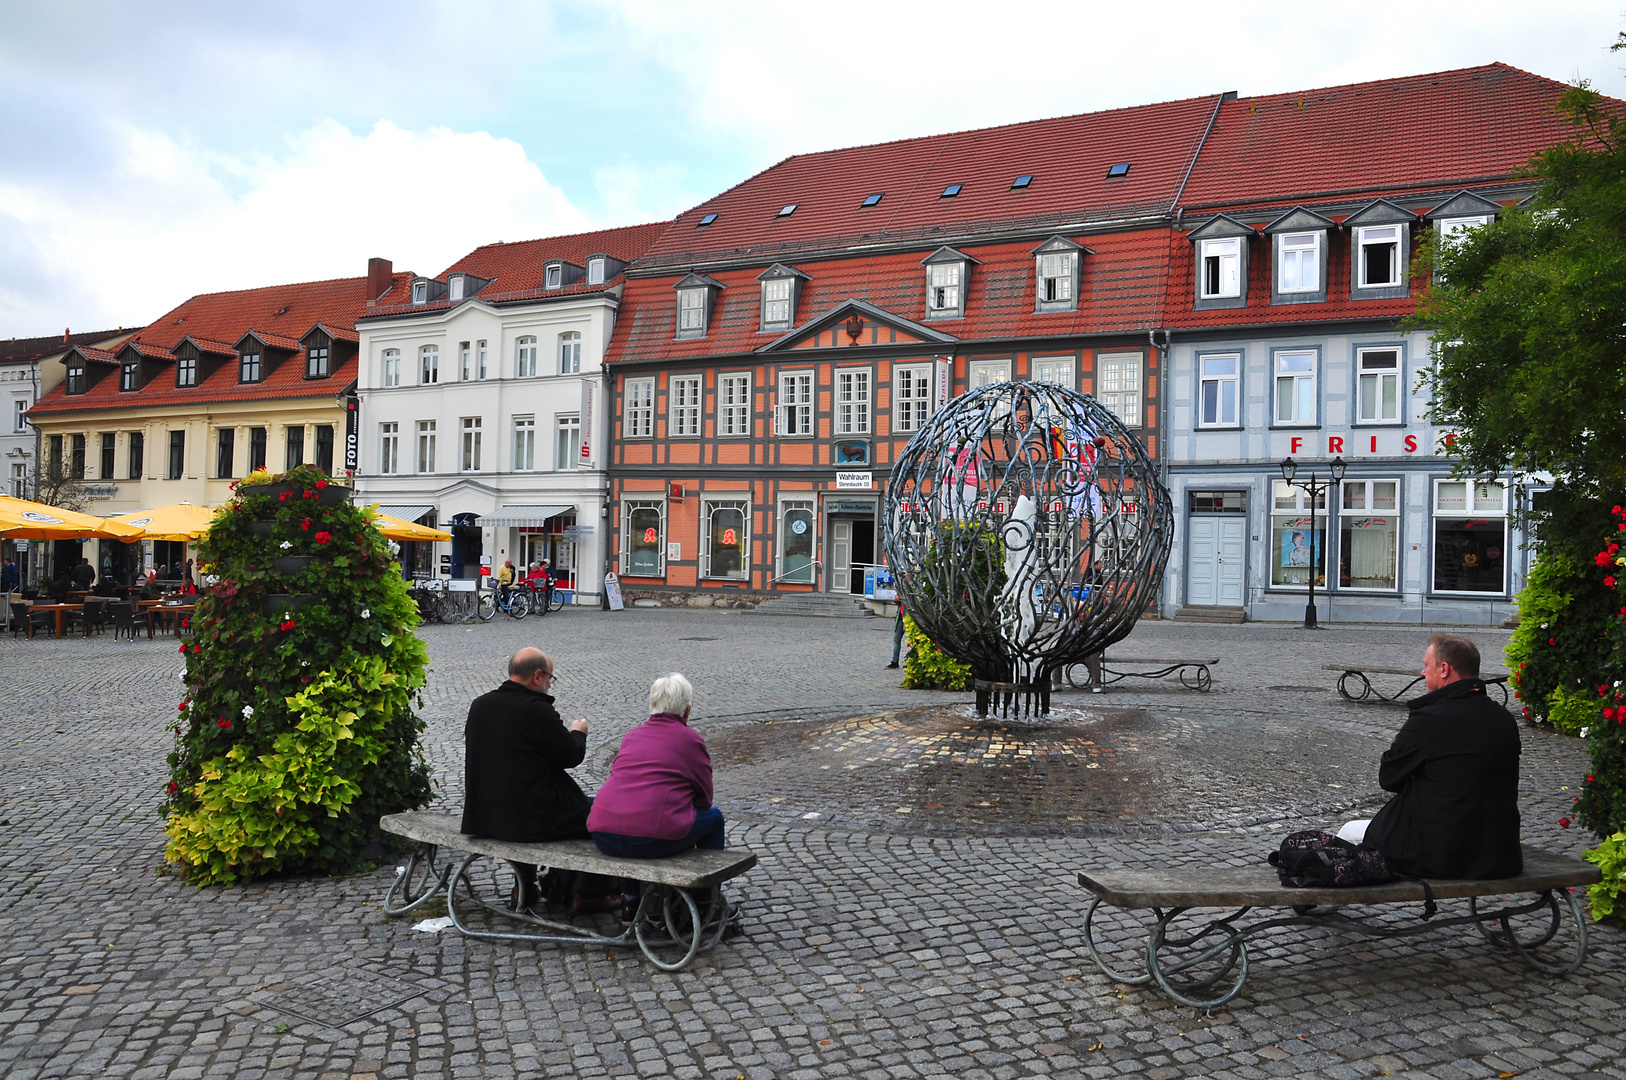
{"x":67,"y":336}
{"x":380,"y":273}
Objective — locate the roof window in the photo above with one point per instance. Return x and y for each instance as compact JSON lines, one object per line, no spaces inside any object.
{"x":951,"y":191}
{"x":786,"y":211}
{"x":872,"y":200}
{"x":1118,"y":170}
{"x":707,"y":220}
{"x":1021,"y":182}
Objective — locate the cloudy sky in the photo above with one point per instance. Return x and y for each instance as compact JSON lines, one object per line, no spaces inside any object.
{"x":151,"y":152}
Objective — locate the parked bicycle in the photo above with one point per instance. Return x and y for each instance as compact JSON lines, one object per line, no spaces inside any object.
{"x":514,"y":601}
{"x":545,"y":595}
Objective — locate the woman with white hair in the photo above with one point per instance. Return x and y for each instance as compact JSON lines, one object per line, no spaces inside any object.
{"x":657,"y":800}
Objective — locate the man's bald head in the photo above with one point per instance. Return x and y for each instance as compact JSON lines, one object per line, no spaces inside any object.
{"x":525,"y":665}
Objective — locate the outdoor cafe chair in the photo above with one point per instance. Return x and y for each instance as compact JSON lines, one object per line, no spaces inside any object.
{"x":122,"y":616}
{"x":95,"y":615}
{"x":22,"y":616}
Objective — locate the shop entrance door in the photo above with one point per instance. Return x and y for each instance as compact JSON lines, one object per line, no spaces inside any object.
{"x":852,"y":551}
{"x":1214,"y":553}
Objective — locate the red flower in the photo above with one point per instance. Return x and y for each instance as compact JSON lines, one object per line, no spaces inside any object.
{"x":1527,"y":710}
{"x":1603,"y":690}
{"x":223,"y":724}
{"x":1564,"y":822}
{"x":283,"y":497}
{"x":306,"y":524}
{"x":183,"y":648}
{"x":1589,"y":779}
{"x":172,"y":788}
{"x":308,"y":495}
{"x":181,"y":706}
{"x":1608,"y":713}
{"x":1552,"y":641}
{"x":196,"y":649}
{"x":322,"y":537}
{"x":1616,"y":511}
{"x":1609,"y":581}
{"x":320,"y":484}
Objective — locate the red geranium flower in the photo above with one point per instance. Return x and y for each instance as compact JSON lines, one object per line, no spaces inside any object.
{"x":322,"y":537}
{"x":224,"y":724}
{"x":1564,"y":822}
{"x":183,"y":648}
{"x":1589,"y":779}
{"x":173,"y":787}
{"x":320,"y":484}
{"x":196,"y":649}
{"x":1552,"y":641}
{"x":181,"y":706}
{"x":1609,"y":581}
{"x":1616,"y":511}
{"x":308,"y":495}
{"x":306,"y":524}
{"x":283,"y":497}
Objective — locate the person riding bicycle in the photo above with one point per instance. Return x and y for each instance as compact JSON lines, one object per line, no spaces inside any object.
{"x":505,"y":578}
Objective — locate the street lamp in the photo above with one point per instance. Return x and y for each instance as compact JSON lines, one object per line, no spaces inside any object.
{"x":1314,"y":486}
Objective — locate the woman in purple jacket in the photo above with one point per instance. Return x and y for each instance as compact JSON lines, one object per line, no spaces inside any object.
{"x":657,"y":800}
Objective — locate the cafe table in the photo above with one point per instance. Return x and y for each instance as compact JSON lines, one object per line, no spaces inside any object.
{"x":61,"y":617}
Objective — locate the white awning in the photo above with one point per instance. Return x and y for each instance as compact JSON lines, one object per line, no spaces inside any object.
{"x":406,"y":513}
{"x":524,"y":515}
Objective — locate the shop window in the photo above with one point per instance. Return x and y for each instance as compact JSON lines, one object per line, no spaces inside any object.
{"x":727,"y":545}
{"x":643,"y":539}
{"x":1470,"y":536}
{"x":796,"y":542}
{"x":1296,"y":543}
{"x":1369,"y":535}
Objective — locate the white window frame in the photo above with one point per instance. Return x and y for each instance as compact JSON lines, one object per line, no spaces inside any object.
{"x":425,"y":459}
{"x":783,"y":530}
{"x":1366,"y":509}
{"x":638,"y":408}
{"x":911,"y":396}
{"x":564,"y":423}
{"x":628,"y":508}
{"x":1056,"y":371}
{"x":683,"y":397}
{"x":480,"y":353}
{"x":454,"y":287}
{"x":525,"y":357}
{"x":389,"y":448}
{"x":392,"y":367}
{"x":1298,"y":379}
{"x":691,"y":313}
{"x":472,"y":438}
{"x":1367,"y":236}
{"x":734,"y":405}
{"x":776,"y":313}
{"x":428,"y":365}
{"x":20,"y":414}
{"x":984,"y":372}
{"x":854,"y":401}
{"x":524,"y":456}
{"x":1297,"y":255}
{"x":945,"y":289}
{"x":420,"y":292}
{"x":1055,"y":272}
{"x":1119,"y":389}
{"x":709,"y":508}
{"x":1475,"y":507}
{"x":553,"y":276}
{"x":1225,"y":255}
{"x":1220,"y":381}
{"x":595,"y":271}
{"x":570,"y":352}
{"x":1299,"y":511}
{"x":1377,"y":377}
{"x":465,"y":361}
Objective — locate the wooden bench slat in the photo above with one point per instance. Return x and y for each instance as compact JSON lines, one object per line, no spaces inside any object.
{"x":1156,"y":660}
{"x":686,"y":870}
{"x":1258,"y":885}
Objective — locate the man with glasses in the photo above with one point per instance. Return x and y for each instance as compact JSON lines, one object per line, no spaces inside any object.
{"x":516,"y":788}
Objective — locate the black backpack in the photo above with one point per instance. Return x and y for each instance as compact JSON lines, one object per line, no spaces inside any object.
{"x":1318,"y":860}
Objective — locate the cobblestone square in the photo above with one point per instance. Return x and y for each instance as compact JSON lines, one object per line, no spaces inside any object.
{"x":885,"y":937}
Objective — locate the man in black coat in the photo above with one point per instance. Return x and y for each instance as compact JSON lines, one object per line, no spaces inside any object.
{"x":1454,"y":769}
{"x":516,"y":751}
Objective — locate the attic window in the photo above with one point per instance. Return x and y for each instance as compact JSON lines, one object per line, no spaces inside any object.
{"x":951,"y":191}
{"x":456,"y":288}
{"x":872,"y":200}
{"x":553,"y":276}
{"x":595,"y":271}
{"x":1021,"y":182}
{"x":786,"y":211}
{"x":1118,"y":170}
{"x":707,"y":220}
{"x":420,"y":292}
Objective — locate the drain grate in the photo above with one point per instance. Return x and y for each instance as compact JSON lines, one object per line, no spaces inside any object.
{"x":338,"y":996}
{"x":697,"y":639}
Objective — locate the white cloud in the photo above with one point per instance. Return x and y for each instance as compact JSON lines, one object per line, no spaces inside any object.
{"x":168,"y":219}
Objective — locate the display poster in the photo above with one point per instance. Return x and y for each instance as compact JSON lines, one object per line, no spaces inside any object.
{"x":1297,"y":548}
{"x":612,"y":589}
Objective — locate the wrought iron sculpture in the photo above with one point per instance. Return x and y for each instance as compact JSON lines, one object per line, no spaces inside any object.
{"x":1026,"y":529}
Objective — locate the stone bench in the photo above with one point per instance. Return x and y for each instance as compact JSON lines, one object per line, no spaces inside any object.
{"x":1360,"y":675}
{"x":668,"y":926}
{"x":1195,"y":967}
{"x":1193,"y":672}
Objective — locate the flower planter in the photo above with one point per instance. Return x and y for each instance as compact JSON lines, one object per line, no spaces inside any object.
{"x":263,"y":528}
{"x":333,"y":495}
{"x":277,"y":603}
{"x":270,"y":490}
{"x":289,"y":565}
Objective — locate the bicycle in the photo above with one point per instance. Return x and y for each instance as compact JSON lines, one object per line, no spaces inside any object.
{"x":545,"y":598}
{"x":515,"y":603}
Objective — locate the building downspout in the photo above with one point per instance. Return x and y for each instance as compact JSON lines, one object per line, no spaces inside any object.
{"x":1162,"y":414}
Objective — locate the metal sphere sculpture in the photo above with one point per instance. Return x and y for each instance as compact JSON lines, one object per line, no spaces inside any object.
{"x":1026,"y":529}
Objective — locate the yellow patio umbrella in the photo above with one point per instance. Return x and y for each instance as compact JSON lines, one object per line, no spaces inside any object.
{"x":21,"y":519}
{"x":178,"y":521}
{"x":396,"y":529}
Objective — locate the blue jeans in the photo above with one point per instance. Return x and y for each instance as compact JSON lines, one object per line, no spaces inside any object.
{"x":707,"y":832}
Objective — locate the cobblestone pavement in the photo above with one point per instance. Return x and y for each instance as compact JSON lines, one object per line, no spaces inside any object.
{"x":876,"y":947}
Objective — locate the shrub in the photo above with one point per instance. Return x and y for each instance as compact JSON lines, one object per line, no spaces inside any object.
{"x":929,"y":668}
{"x":1610,"y":858}
{"x":298,"y":730}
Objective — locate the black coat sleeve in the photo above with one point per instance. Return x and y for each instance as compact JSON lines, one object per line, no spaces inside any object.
{"x":555,"y":743}
{"x":1404,"y":757}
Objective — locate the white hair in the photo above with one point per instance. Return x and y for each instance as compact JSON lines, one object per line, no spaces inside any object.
{"x":671,"y":694}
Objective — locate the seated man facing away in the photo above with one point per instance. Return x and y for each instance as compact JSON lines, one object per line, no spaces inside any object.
{"x":515,"y":784}
{"x":1454,"y":769}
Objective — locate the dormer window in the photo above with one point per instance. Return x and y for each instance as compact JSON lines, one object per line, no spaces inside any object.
{"x":595,"y":271}
{"x":1221,"y":245}
{"x":130,"y":375}
{"x":696,"y":294}
{"x":186,"y":371}
{"x":1300,"y":274}
{"x":455,"y":288}
{"x":553,"y":276}
{"x":1380,"y":241}
{"x":780,"y":287}
{"x":420,"y":292}
{"x":1056,"y":263}
{"x":76,"y":377}
{"x":316,"y":362}
{"x":947,"y":272}
{"x":1379,"y":256}
{"x":248,"y":367}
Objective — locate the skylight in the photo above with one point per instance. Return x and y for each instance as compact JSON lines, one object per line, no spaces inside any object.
{"x":951,"y":191}
{"x":871,"y":200}
{"x":786,"y":211}
{"x":707,"y":220}
{"x":1021,"y":182}
{"x":1118,"y":170}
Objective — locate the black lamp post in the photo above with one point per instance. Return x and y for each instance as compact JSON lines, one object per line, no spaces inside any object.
{"x":1314,"y":487}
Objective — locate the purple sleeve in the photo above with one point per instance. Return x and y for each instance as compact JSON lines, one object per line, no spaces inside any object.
{"x":700,"y":766}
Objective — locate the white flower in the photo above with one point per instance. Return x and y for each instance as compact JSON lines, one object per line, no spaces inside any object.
{"x":304,"y":663}
{"x":1544,"y":626}
{"x":248,"y":711}
{"x":1584,"y":731}
{"x":366,"y":613}
{"x":287,"y":616}
{"x":285,"y":545}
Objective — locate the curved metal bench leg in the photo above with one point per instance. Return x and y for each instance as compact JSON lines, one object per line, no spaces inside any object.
{"x":1072,"y":679}
{"x":418,"y":883}
{"x":1526,"y":949}
{"x":1140,"y":979}
{"x":1235,"y":942}
{"x":660,"y":901}
{"x":1343,"y":686}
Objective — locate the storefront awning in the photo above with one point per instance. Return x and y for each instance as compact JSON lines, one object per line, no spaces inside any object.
{"x":524,"y":515}
{"x":405,"y":513}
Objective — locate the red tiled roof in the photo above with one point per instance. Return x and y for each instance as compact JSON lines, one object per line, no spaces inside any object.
{"x":1449,"y":129}
{"x":338,"y":333}
{"x":287,"y":381}
{"x":101,"y":356}
{"x":209,"y":346}
{"x":36,"y":347}
{"x":1120,"y":289}
{"x":1067,"y":157}
{"x":276,"y":341}
{"x":148,"y":350}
